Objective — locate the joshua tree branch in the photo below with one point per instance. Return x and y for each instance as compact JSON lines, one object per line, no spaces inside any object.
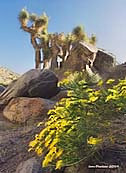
{"x":34,"y":42}
{"x":60,"y":53}
{"x":30,"y":29}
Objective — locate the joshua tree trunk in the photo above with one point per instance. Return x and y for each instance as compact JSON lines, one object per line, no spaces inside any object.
{"x":37,"y":48}
{"x":37,"y":58}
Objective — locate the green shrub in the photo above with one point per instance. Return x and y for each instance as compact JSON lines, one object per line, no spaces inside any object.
{"x":80,"y":124}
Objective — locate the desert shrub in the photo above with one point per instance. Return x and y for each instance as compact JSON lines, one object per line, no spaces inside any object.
{"x":80,"y":124}
{"x":73,"y":78}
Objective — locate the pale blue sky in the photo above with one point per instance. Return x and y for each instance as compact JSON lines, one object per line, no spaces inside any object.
{"x":105,"y":18}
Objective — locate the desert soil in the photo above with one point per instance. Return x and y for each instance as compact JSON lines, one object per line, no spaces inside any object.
{"x":14,"y":140}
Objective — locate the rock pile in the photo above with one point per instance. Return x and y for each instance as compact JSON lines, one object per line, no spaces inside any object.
{"x":27,"y":97}
{"x":25,"y":102}
{"x":34,"y":83}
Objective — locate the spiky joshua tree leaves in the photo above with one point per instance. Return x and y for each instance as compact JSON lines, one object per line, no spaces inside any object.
{"x":24,"y":17}
{"x":93,"y":39}
{"x":50,"y":45}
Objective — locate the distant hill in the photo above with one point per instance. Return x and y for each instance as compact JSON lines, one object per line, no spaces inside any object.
{"x":7,"y":76}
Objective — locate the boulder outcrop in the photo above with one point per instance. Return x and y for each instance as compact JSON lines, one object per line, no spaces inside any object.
{"x":34,"y":83}
{"x":21,"y":109}
{"x":104,"y":62}
{"x":117,"y":72}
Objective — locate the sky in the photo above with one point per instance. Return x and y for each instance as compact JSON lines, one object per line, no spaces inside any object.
{"x":105,"y":18}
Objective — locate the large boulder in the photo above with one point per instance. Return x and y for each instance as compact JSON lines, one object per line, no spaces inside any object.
{"x":34,"y":83}
{"x":117,"y":72}
{"x":104,"y":62}
{"x":22,"y":109}
{"x":81,"y":54}
{"x":45,"y":86}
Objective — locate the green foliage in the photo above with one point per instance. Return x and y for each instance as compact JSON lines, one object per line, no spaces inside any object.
{"x":80,"y":124}
{"x":78,"y":30}
{"x":41,"y":21}
{"x":78,"y":76}
{"x":69,"y":37}
{"x":79,"y":34}
{"x":23,"y":15}
{"x":93,"y":39}
{"x":33,"y":17}
{"x":38,"y":21}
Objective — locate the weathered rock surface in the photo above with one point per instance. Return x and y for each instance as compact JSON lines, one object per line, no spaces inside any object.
{"x":104,"y":62}
{"x":21,"y":109}
{"x":98,"y":60}
{"x":82,"y":54}
{"x":7,"y":76}
{"x":14,"y":146}
{"x":117,"y":72}
{"x":29,"y":166}
{"x":34,"y":83}
{"x":2,"y":88}
{"x":60,"y":95}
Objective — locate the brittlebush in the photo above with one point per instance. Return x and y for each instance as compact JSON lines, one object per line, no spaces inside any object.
{"x":79,"y":124}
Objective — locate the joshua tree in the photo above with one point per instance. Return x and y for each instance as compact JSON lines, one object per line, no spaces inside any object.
{"x":37,"y":30}
{"x":52,"y":46}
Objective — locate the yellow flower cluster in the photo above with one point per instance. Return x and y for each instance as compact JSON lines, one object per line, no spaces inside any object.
{"x":75,"y":120}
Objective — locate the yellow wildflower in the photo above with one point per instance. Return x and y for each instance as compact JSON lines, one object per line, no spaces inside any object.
{"x":33,"y":143}
{"x":100,"y":83}
{"x":89,"y":90}
{"x":53,"y":150}
{"x":30,"y":149}
{"x":42,"y":133}
{"x":48,"y":142}
{"x":110,"y":81}
{"x":64,"y":123}
{"x":59,"y":164}
{"x":49,"y":157}
{"x":39,"y":124}
{"x":94,"y":141}
{"x":58,"y":154}
{"x":45,"y":162}
{"x":39,"y":151}
{"x":93,"y":99}
{"x":110,"y":97}
{"x":55,"y":141}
